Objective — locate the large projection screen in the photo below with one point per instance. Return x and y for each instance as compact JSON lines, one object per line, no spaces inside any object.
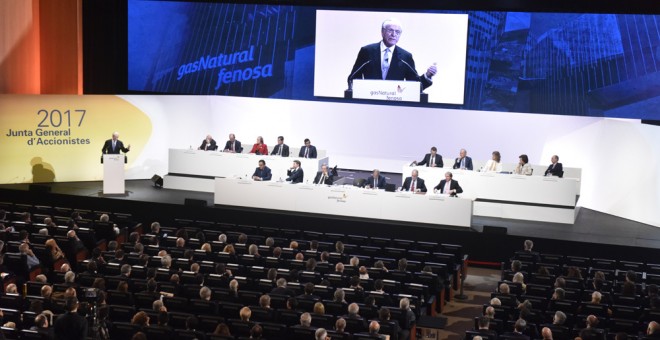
{"x":432,"y":38}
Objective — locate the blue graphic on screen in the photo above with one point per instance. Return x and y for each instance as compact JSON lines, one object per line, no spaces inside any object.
{"x":601,"y":65}
{"x":206,"y":48}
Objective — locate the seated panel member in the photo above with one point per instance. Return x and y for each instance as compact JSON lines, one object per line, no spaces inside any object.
{"x":233,"y":145}
{"x":259,"y":148}
{"x":414,"y":183}
{"x":376,"y":180}
{"x":431,"y":159}
{"x":296,"y":173}
{"x":262,"y":172}
{"x":463,"y":161}
{"x":280,"y":149}
{"x":556,"y":168}
{"x":208,"y":144}
{"x":523,"y":167}
{"x":308,"y":150}
{"x":114,"y":145}
{"x":448,"y":185}
{"x":493,"y":164}
{"x":323,"y":176}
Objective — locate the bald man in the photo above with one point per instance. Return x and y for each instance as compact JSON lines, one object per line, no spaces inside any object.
{"x":114,"y":145}
{"x":653,"y":331}
{"x":387,"y":61}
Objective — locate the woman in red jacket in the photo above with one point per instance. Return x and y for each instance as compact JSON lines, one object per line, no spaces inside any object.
{"x":259,"y":148}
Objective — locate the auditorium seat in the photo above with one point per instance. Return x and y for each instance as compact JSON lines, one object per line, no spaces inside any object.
{"x":159,"y":332}
{"x":471,"y":334}
{"x":122,"y":330}
{"x":208,"y":323}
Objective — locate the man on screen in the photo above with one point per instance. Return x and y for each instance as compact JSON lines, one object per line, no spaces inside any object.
{"x":114,"y":145}
{"x":262,"y":173}
{"x":308,"y":150}
{"x":323,"y":176}
{"x":385,"y":60}
{"x":208,"y":144}
{"x":296,"y":173}
{"x":233,"y":145}
{"x":280,"y":149}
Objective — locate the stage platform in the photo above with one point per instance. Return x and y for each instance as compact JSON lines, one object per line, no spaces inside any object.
{"x":594,"y":234}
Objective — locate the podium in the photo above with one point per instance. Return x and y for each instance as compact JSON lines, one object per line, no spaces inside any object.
{"x":113,"y":174}
{"x":388,"y":90}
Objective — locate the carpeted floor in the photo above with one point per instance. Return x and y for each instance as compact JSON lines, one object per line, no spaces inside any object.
{"x":460,"y":314}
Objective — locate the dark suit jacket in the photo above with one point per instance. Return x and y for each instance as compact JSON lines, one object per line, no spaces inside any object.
{"x":514,"y":335}
{"x":282,"y":291}
{"x":70,"y":326}
{"x":237,"y":146}
{"x":397,"y":71}
{"x":557,"y":171}
{"x":295,"y":176}
{"x":370,"y":182}
{"x":212,"y":146}
{"x":327,"y":180}
{"x":312,"y":151}
{"x":427,"y":160}
{"x":264,"y":174}
{"x":468,"y":163}
{"x":452,"y":186}
{"x":419,"y":185}
{"x":490,"y":333}
{"x":285,"y":150}
{"x":107,"y":147}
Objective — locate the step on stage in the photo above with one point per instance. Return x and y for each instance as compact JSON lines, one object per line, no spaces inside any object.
{"x":594,"y":234}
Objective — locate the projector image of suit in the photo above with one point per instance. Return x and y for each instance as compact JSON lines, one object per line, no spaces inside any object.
{"x":371,"y":59}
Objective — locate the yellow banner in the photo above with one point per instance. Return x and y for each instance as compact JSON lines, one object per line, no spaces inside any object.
{"x":58,"y":138}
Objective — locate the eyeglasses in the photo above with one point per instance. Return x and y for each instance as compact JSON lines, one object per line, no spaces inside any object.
{"x":390,"y":31}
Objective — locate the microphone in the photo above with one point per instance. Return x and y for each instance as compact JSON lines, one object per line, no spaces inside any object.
{"x":412,"y":69}
{"x":350,"y":78}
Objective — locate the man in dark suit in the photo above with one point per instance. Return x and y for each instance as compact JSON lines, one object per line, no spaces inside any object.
{"x":114,"y":145}
{"x":463,"y":161}
{"x":376,"y":180}
{"x":233,"y":145}
{"x":385,"y":60}
{"x":556,"y":168}
{"x":281,"y":288}
{"x":323,"y":176}
{"x":70,"y":325}
{"x":208,"y":144}
{"x":448,"y":186}
{"x":414,"y":183}
{"x":296,"y":173}
{"x":280,"y":149}
{"x":308,"y":150}
{"x":431,"y":159}
{"x":518,"y":330}
{"x":262,"y":172}
{"x":484,"y":324}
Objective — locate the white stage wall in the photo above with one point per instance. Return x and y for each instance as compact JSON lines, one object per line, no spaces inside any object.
{"x":619,"y":158}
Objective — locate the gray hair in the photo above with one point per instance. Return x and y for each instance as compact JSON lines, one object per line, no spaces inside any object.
{"x":305,"y":319}
{"x":391,"y":21}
